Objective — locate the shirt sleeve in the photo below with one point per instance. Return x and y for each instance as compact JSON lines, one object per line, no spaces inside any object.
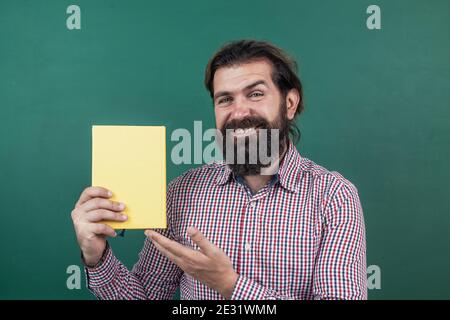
{"x":153,"y":277}
{"x":340,"y":271}
{"x":248,"y":289}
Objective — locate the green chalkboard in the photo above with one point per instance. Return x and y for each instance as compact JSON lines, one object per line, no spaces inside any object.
{"x":377,"y":111}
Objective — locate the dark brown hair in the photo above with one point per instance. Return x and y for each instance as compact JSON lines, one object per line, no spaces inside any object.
{"x":284,"y":69}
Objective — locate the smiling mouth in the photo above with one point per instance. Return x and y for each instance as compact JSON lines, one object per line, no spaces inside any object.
{"x":239,"y":133}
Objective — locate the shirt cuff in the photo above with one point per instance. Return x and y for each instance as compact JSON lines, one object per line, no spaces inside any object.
{"x":103,"y":273}
{"x":247,"y":289}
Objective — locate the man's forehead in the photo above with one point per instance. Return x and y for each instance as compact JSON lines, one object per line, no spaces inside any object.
{"x":236,"y":77}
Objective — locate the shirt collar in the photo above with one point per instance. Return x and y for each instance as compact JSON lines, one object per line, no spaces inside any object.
{"x":288,"y":172}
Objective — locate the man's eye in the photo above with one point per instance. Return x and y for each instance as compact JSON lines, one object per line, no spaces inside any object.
{"x":224,"y":100}
{"x":256,"y":94}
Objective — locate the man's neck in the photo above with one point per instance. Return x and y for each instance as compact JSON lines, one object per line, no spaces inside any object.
{"x":257,"y":182}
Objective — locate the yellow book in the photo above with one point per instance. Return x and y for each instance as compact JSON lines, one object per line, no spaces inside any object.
{"x":131,"y":162}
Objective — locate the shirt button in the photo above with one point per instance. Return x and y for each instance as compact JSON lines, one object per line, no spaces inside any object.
{"x":247,"y":246}
{"x":252,"y":204}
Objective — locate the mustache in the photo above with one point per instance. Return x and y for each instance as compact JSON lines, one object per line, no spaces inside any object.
{"x":249,"y":122}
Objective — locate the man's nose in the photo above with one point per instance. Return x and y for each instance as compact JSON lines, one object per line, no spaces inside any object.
{"x":240,"y":110}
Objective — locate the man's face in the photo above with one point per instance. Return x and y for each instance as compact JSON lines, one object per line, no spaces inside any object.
{"x":245,"y":97}
{"x":244,"y":91}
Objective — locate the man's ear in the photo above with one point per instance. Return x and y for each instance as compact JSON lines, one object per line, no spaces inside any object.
{"x":292,"y":101}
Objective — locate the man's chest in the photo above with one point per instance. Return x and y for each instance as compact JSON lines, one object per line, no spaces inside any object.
{"x":273,"y":232}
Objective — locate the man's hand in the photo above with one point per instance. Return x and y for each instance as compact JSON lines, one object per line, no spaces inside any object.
{"x":93,"y":207}
{"x":210,"y":265}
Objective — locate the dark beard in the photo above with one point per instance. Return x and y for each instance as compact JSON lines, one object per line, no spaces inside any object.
{"x":247,"y":168}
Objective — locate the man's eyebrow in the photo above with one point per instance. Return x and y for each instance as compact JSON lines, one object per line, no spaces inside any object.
{"x":254,"y":84}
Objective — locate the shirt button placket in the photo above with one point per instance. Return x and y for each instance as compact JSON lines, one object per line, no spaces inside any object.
{"x":247,"y":244}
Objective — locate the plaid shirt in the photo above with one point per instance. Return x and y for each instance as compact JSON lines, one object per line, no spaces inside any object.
{"x":302,"y":236}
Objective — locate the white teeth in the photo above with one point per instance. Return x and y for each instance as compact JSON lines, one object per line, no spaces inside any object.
{"x":243,"y":132}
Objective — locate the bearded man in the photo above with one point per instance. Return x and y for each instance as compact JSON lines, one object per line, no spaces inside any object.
{"x":266,"y":223}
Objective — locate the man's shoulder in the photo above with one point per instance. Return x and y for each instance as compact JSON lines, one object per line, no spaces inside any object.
{"x":201,"y":176}
{"x":329,"y":181}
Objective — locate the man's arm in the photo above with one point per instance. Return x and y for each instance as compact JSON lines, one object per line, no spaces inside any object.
{"x":212,"y":267}
{"x":340,"y":271}
{"x":152,"y":277}
{"x":248,"y":289}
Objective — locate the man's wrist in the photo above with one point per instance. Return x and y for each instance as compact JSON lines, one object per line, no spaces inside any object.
{"x":229,"y":284}
{"x":95,"y":263}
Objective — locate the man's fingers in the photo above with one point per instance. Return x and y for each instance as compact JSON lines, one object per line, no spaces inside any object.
{"x":190,"y":262}
{"x":168,"y":254}
{"x":169,"y":245}
{"x":199,"y":239}
{"x":102,"y":229}
{"x":99,"y":203}
{"x":93,"y":192}
{"x":103,"y":214}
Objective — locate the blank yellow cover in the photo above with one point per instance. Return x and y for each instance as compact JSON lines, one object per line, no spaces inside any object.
{"x":131,"y":162}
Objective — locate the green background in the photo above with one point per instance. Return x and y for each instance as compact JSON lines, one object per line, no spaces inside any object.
{"x":377,"y":111}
